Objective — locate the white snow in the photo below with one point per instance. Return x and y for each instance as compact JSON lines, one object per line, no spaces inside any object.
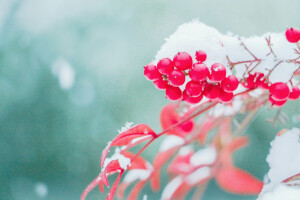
{"x":282,"y":192}
{"x":123,"y":161}
{"x":126,"y":127}
{"x":195,"y":35}
{"x":171,"y":187}
{"x":198,"y":175}
{"x":170,"y":142}
{"x":284,"y":162}
{"x":204,"y":156}
{"x":137,"y":174}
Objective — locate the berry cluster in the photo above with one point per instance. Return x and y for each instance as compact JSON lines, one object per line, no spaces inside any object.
{"x":211,"y":83}
{"x":279,"y":92}
{"x":292,"y":35}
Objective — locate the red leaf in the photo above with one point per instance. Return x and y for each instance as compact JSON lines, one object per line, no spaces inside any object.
{"x":169,"y":117}
{"x":136,"y":189}
{"x":91,"y":186}
{"x":237,"y":181}
{"x":121,"y":189}
{"x":138,"y":163}
{"x":139,"y":133}
{"x":159,"y":161}
{"x":111,"y":194}
{"x":181,"y":164}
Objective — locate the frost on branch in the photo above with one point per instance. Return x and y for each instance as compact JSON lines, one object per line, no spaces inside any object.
{"x":284,"y":162}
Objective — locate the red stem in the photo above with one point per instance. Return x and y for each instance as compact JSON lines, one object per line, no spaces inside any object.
{"x":182,"y":121}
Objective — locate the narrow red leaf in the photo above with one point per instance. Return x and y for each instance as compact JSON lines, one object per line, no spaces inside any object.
{"x":160,"y":159}
{"x":121,"y":189}
{"x":138,"y":163}
{"x":136,"y":189}
{"x":181,"y":164}
{"x":111,"y":194}
{"x":91,"y":186}
{"x":237,"y":181}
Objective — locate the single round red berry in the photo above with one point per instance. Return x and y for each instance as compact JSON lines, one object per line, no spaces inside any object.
{"x":173,"y":93}
{"x":182,"y":61}
{"x":165,"y":66}
{"x":276,"y":103}
{"x":151,"y":72}
{"x":292,"y":35}
{"x":279,"y":91}
{"x":225,"y":97}
{"x":295,"y":93}
{"x":193,"y":88}
{"x":200,"y":56}
{"x":187,"y":126}
{"x":218,"y":72}
{"x":199,"y":72}
{"x":191,"y":100}
{"x":212,"y":91}
{"x":230,"y":83}
{"x":176,"y":77}
{"x":161,"y":84}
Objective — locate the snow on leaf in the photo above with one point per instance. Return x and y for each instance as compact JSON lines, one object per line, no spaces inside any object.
{"x":125,"y":138}
{"x":171,"y":188}
{"x":198,"y":176}
{"x":170,"y":142}
{"x":204,"y":156}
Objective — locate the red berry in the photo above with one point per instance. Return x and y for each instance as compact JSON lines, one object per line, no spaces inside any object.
{"x":165,"y":66}
{"x":187,"y":126}
{"x":193,"y":89}
{"x":173,"y":93}
{"x":192,"y":100}
{"x":200,"y":56}
{"x":161,"y":84}
{"x":230,"y":83}
{"x":212,"y":91}
{"x":250,"y":82}
{"x":199,"y":72}
{"x":176,"y":77}
{"x":292,"y":35}
{"x":279,"y":91}
{"x":295,"y":93}
{"x":218,"y":72}
{"x":225,"y":97}
{"x":151,"y":72}
{"x":182,"y":61}
{"x":276,"y":103}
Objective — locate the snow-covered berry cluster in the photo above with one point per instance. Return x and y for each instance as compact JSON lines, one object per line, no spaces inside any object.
{"x":212,"y":83}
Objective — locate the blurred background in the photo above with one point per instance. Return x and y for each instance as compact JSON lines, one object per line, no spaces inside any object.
{"x":71,"y":75}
